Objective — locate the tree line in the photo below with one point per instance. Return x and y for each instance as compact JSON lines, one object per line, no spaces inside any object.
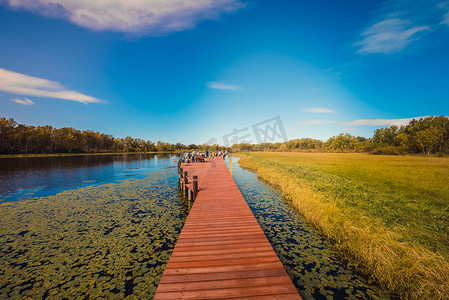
{"x":426,"y":136}
{"x":22,"y":139}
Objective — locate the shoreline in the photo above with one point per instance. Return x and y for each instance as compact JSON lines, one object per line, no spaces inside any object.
{"x":81,"y":154}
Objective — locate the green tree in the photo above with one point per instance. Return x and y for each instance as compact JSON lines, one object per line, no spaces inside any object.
{"x":342,"y":142}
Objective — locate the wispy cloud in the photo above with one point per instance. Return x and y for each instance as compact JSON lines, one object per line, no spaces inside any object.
{"x":222,"y":86}
{"x":381,"y":122}
{"x":444,"y":6}
{"x":25,"y":101}
{"x":446,"y":19}
{"x":389,"y":36}
{"x":131,"y":16}
{"x":402,"y":22}
{"x":348,"y":129}
{"x":363,"y":122}
{"x":315,"y":122}
{"x":320,"y":110}
{"x":22,"y":84}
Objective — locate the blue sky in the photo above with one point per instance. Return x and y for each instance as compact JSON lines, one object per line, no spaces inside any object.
{"x":193,"y":71}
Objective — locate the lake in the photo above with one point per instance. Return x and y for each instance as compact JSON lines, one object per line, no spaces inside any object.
{"x":88,"y":226}
{"x":25,"y":177}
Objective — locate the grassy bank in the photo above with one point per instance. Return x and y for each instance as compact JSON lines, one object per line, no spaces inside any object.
{"x":387,"y":215}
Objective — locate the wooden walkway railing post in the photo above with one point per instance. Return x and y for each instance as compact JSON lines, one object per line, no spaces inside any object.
{"x":195,"y":186}
{"x":180,"y":175}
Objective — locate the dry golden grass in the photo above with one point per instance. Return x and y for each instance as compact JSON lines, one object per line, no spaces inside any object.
{"x":386,"y":215}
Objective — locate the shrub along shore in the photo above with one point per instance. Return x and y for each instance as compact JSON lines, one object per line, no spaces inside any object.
{"x":386,"y":215}
{"x":83,"y":154}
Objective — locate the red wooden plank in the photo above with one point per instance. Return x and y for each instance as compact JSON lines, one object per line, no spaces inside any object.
{"x":226,"y":293}
{"x":292,"y":296}
{"x":232,"y":251}
{"x":220,"y":269}
{"x":221,"y":257}
{"x":194,"y":248}
{"x":222,"y":276}
{"x":224,"y":262}
{"x":229,"y":283}
{"x":226,"y":237}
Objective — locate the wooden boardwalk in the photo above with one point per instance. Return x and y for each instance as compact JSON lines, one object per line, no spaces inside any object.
{"x":222,"y":252}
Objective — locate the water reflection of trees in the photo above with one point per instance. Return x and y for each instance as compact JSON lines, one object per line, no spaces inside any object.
{"x":39,"y":163}
{"x":25,"y":172}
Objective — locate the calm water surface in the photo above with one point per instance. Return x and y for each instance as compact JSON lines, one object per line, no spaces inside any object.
{"x":25,"y":177}
{"x":99,"y":227}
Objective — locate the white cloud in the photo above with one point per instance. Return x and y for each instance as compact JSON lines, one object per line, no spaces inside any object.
{"x":25,"y":101}
{"x":131,"y":16}
{"x":348,"y":129}
{"x":444,"y":6}
{"x":315,"y":122}
{"x":389,"y":36}
{"x":320,"y":110}
{"x":222,"y":86}
{"x":446,"y":19}
{"x":363,"y":122}
{"x":22,"y":84}
{"x":381,"y":122}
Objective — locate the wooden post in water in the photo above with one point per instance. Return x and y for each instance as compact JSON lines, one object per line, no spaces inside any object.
{"x":186,"y":181}
{"x":195,"y":186}
{"x":181,"y":175}
{"x":230,"y":165}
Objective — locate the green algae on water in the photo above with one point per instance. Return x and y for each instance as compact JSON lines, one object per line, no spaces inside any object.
{"x":111,"y":241}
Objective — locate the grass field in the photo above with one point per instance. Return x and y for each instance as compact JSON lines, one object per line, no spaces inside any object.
{"x":387,"y":215}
